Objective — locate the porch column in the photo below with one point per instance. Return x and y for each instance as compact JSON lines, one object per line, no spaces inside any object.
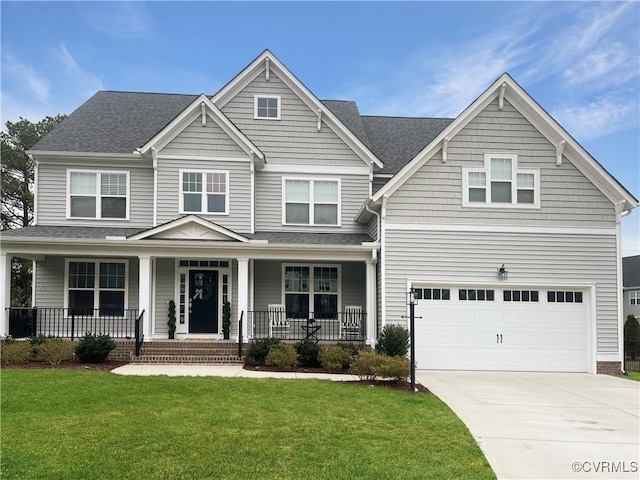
{"x":5,"y":288}
{"x":371,"y":302}
{"x":144,"y":295}
{"x":243,"y":293}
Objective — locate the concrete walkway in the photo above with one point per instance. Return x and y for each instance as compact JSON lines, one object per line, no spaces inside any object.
{"x":547,"y":425}
{"x":221,"y":371}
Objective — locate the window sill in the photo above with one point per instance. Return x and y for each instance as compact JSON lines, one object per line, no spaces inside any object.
{"x":506,"y":206}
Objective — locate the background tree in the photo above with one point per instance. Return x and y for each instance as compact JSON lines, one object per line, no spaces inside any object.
{"x":16,"y":187}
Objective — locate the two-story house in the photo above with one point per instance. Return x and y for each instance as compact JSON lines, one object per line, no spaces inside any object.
{"x":308,"y":217}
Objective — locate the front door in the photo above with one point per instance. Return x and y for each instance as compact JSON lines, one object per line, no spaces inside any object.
{"x":203,"y":301}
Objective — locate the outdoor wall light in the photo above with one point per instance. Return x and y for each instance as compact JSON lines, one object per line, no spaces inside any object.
{"x":502,"y":273}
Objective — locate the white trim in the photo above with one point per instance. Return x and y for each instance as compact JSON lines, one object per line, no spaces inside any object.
{"x":514,"y":184}
{"x":383,"y":259}
{"x":154,"y":154}
{"x":210,"y":158}
{"x":98,"y":194}
{"x":608,"y":357}
{"x":315,"y":169}
{"x":34,"y":282}
{"x":96,"y":289}
{"x":203,"y":193}
{"x":620,"y":292}
{"x":312,"y":181}
{"x":268,"y":97}
{"x":417,"y":227}
{"x":252,"y":193}
{"x":65,"y":155}
{"x":36,"y":188}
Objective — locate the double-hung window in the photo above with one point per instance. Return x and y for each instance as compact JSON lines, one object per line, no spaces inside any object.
{"x":101,"y":195}
{"x":311,"y":290}
{"x":96,"y":285}
{"x":204,"y":192}
{"x":634,"y":297}
{"x":501,"y":184}
{"x":311,"y":202}
{"x":266,"y":107}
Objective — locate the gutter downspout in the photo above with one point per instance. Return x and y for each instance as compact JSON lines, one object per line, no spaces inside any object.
{"x":620,"y":213}
{"x":383,"y":260}
{"x":154,"y":154}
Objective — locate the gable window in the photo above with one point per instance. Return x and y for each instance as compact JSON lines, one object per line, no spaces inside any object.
{"x":204,"y":192}
{"x":311,"y":290}
{"x":267,"y":107}
{"x":634,"y":297}
{"x":501,"y":184}
{"x":311,"y":202}
{"x":96,"y":286}
{"x":101,"y":195}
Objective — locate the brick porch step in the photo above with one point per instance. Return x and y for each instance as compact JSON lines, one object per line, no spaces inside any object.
{"x":199,"y":352}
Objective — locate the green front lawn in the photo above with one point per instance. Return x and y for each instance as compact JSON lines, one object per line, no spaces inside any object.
{"x":632,"y":375}
{"x":98,"y":425}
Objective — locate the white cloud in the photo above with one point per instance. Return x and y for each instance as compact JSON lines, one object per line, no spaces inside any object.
{"x":25,"y":76}
{"x":118,"y":19}
{"x":81,"y":78}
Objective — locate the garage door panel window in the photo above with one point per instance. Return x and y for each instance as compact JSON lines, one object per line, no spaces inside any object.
{"x":560,"y":296}
{"x":432,"y":294}
{"x":520,"y":295}
{"x":473,"y":294}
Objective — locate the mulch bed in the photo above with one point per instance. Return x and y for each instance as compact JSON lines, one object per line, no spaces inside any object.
{"x":69,"y":365}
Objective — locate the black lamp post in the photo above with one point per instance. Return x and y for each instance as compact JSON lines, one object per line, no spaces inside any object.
{"x":412,"y":321}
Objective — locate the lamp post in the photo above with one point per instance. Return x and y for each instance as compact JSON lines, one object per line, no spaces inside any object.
{"x":412,"y":318}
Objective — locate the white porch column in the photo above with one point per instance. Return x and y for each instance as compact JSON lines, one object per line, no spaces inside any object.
{"x":243,"y":293}
{"x":371,"y":302}
{"x":5,"y":289}
{"x":144,"y":295}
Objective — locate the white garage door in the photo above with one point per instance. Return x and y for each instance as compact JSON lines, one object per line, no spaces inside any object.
{"x":525,"y":329}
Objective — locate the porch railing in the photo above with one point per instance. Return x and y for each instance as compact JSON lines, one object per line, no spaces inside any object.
{"x":71,"y":322}
{"x":139,"y":333}
{"x":341,"y":327}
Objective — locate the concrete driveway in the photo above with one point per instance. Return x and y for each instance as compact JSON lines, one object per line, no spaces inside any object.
{"x":547,"y":425}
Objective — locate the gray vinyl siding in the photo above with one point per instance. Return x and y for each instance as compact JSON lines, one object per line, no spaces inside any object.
{"x":197,"y":139}
{"x":50,"y":281}
{"x":541,"y":259}
{"x":52,"y":197}
{"x":239,"y":218}
{"x":372,"y":228}
{"x":292,"y":139}
{"x":165,"y":291}
{"x":434,"y":194}
{"x":268,"y":286}
{"x":354,"y":190}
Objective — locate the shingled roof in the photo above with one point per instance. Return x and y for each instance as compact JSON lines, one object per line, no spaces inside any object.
{"x":120,"y":122}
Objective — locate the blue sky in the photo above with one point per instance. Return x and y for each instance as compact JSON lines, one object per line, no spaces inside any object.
{"x":579,"y":60}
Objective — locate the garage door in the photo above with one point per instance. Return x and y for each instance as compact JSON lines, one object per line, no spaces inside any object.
{"x":524,"y":329}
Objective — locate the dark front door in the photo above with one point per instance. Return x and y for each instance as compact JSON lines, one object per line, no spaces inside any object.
{"x":203,"y":301}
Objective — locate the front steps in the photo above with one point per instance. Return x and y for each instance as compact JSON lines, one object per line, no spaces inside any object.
{"x":193,"y":352}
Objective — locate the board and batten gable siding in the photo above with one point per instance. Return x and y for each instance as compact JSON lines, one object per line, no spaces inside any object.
{"x":294,"y":138}
{"x":473,"y":258}
{"x":209,"y":140}
{"x":50,"y":281}
{"x":434,"y":194}
{"x":52,"y":196}
{"x":269,"y":198}
{"x":239,"y":217}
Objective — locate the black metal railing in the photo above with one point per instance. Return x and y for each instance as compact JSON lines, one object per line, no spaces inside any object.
{"x":341,"y":327}
{"x":71,"y":323}
{"x":632,"y":356}
{"x":139,"y":333}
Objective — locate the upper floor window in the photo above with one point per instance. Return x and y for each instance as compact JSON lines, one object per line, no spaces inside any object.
{"x":634,"y":297}
{"x":266,"y":106}
{"x":204,"y":192}
{"x":501,"y":183}
{"x":97,"y":194}
{"x":311,"y":202}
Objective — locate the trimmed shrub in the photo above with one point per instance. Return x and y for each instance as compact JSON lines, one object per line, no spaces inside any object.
{"x":282,"y":356}
{"x":336,"y":358}
{"x":94,"y":348}
{"x":393,"y":341}
{"x":366,"y":364}
{"x":395,"y":368}
{"x":55,"y":350}
{"x":308,"y":353}
{"x":632,"y":336}
{"x":36,"y":342}
{"x":15,"y":353}
{"x":351,"y":347}
{"x":259,"y":349}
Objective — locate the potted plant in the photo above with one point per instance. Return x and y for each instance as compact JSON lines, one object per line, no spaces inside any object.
{"x":172,"y":319}
{"x":226,"y":320}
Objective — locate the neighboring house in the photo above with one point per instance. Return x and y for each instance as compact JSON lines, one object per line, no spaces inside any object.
{"x":292,"y":208}
{"x":631,"y":285}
